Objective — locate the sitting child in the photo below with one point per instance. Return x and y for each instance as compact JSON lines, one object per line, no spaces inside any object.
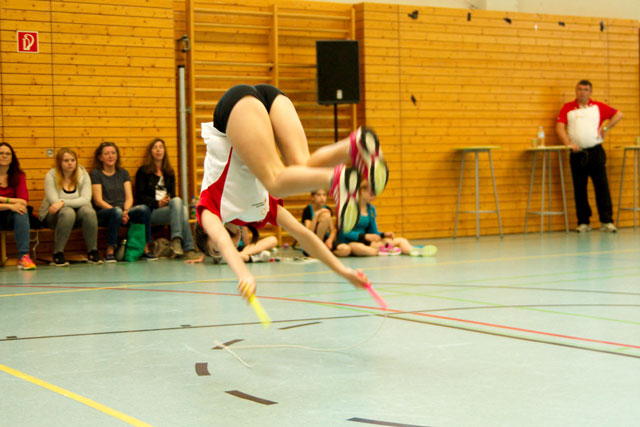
{"x":365,"y":239}
{"x":256,"y":250}
{"x":318,"y":217}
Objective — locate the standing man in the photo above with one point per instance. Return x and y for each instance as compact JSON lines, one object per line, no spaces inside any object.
{"x":581,"y":127}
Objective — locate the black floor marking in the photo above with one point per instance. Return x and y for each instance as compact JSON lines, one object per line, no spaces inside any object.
{"x":383,"y":423}
{"x":390,"y":315}
{"x":242,"y":395}
{"x":202,"y":370}
{"x":226,"y":344}
{"x":299,"y":326}
{"x":12,"y":337}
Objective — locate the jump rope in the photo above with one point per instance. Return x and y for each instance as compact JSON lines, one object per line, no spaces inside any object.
{"x":266,"y":321}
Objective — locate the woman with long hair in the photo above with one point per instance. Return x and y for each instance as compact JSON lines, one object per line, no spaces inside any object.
{"x":113,"y":199}
{"x":14,"y":197}
{"x":156,"y":188}
{"x":67,"y":203}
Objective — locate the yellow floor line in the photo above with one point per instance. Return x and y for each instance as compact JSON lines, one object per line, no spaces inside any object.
{"x":95,"y":405}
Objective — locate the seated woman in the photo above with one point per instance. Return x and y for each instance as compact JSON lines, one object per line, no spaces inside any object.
{"x":113,"y":199}
{"x":156,"y":188}
{"x":318,"y":217}
{"x":67,"y":203}
{"x":14,"y":197}
{"x":366,"y":240}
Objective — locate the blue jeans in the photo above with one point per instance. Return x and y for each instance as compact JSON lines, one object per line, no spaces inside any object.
{"x":176,"y":215}
{"x":21,"y":229}
{"x":112,"y":219}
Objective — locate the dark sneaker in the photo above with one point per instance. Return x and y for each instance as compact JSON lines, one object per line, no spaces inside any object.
{"x":58,"y":260}
{"x":148,"y":256}
{"x":344,"y":188}
{"x":110,"y":258}
{"x":94,"y":257}
{"x":366,"y":156}
{"x":176,"y":247}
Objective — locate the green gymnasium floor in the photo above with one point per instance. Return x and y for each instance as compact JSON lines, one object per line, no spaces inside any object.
{"x":535,"y":330}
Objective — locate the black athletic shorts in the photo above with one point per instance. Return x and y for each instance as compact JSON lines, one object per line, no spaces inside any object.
{"x":264,"y":93}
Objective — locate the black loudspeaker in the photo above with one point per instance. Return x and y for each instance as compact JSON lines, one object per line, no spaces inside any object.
{"x":338,"y":69}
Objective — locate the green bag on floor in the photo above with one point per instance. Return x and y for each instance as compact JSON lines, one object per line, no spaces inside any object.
{"x":136,"y":241}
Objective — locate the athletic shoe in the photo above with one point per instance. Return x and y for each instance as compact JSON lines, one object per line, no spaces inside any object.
{"x":344,"y":188}
{"x":110,"y":258}
{"x":58,"y":260}
{"x":148,"y":256}
{"x":608,"y":227}
{"x":94,"y":257}
{"x":191,"y":254}
{"x":583,"y":228}
{"x":25,"y":263}
{"x":389,"y":250}
{"x":264,"y":256}
{"x":366,"y":156}
{"x":176,"y":247}
{"x":428,"y":250}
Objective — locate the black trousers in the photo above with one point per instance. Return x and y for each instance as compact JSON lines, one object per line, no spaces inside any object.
{"x":585,"y":164}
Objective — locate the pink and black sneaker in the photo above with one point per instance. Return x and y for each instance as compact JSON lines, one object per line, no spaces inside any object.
{"x":344,"y":188}
{"x":366,"y":156}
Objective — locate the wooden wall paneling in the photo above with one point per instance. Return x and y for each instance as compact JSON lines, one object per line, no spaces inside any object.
{"x":105,"y":71}
{"x":265,"y":42}
{"x":477,"y":82}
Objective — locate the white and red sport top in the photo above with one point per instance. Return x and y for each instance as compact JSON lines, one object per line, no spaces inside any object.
{"x":229,"y":189}
{"x":583,"y":123}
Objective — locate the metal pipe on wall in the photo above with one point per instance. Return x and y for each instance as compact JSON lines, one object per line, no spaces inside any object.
{"x":183,"y":135}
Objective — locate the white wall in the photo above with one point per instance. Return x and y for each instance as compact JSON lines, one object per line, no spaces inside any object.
{"x":624,"y":9}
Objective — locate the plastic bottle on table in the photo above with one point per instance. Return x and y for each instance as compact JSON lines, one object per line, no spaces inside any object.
{"x":540,"y":136}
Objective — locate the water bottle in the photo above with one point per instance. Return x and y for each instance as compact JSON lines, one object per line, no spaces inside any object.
{"x":192,"y":207}
{"x":540,"y":136}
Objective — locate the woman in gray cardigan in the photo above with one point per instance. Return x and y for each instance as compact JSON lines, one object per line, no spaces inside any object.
{"x":67,"y":203}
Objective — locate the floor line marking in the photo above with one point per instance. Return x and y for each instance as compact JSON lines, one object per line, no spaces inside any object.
{"x":357,"y":306}
{"x":308,"y":273}
{"x":80,"y":399}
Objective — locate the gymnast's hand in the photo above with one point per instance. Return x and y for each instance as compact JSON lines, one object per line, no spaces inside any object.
{"x":247,"y":286}
{"x":356,"y":277}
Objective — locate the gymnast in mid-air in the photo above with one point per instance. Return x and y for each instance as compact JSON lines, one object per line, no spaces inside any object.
{"x":245,"y":178}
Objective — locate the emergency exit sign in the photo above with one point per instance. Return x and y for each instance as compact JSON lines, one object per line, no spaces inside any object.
{"x":27,"y":41}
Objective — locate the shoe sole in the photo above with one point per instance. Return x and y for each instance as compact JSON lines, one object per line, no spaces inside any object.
{"x":20,"y":267}
{"x":349,"y":212}
{"x":59,"y":265}
{"x":95,"y":262}
{"x":378,"y":172}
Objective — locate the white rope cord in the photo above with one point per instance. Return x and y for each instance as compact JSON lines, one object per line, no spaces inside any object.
{"x":302,"y":347}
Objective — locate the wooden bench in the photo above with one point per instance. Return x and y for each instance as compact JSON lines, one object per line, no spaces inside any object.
{"x":269,"y":231}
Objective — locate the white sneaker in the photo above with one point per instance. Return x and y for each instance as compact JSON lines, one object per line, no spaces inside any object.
{"x":608,"y":227}
{"x":264,"y":256}
{"x":345,"y":190}
{"x":584,"y":228}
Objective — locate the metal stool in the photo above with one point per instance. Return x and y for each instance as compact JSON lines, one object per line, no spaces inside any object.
{"x":635,"y":149}
{"x":477,"y":149}
{"x":546,"y":156}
